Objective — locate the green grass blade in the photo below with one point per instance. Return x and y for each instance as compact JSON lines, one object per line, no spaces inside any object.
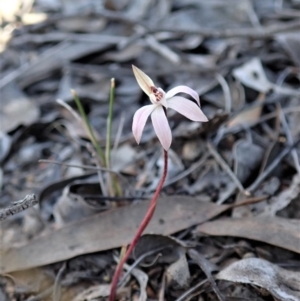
{"x":89,"y":128}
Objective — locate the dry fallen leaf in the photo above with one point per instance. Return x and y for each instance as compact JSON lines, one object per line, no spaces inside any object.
{"x":248,"y":115}
{"x":290,"y":42}
{"x":108,"y":230}
{"x":284,"y":198}
{"x":276,"y":231}
{"x":142,"y":279}
{"x":16,"y":109}
{"x":207,"y":267}
{"x":93,"y":293}
{"x":282,"y":284}
{"x":252,"y":75}
{"x":248,"y":157}
{"x":178,"y":272}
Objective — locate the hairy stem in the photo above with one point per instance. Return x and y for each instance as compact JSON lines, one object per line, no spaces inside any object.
{"x":140,"y":230}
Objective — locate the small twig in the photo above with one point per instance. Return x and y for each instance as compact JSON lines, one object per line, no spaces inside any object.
{"x":191,"y":290}
{"x":109,"y":123}
{"x":161,"y":293}
{"x":55,"y":37}
{"x":225,"y":167}
{"x":88,"y":167}
{"x":70,"y":109}
{"x":101,"y":180}
{"x":163,"y":50}
{"x":29,"y":201}
{"x":41,"y":296}
{"x":226,"y":90}
{"x":272,"y":144}
{"x":79,"y":166}
{"x":188,"y":171}
{"x":271,"y":167}
{"x":89,"y":128}
{"x":251,"y":33}
{"x":289,"y":138}
{"x":119,"y":133}
{"x":139,"y":260}
{"x":57,"y":285}
{"x":28,"y":65}
{"x":202,"y":262}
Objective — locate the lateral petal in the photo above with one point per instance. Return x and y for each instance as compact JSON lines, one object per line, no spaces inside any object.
{"x":139,"y":120}
{"x":183,"y":89}
{"x":187,"y":108}
{"x":144,"y":81}
{"x":161,"y":127}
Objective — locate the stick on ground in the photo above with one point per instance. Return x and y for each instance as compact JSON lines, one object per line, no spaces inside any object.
{"x":29,"y":201}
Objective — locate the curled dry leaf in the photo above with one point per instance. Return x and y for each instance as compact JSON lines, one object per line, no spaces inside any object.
{"x":171,"y":251}
{"x":282,"y":284}
{"x":284,"y":198}
{"x":142,"y":279}
{"x":178,"y":272}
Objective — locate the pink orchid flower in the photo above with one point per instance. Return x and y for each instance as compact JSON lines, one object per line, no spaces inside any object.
{"x":160,"y":100}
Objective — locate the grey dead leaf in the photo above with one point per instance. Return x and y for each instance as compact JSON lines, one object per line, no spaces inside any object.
{"x":33,"y":18}
{"x":142,"y":279}
{"x":163,"y":50}
{"x":189,"y":42}
{"x":5,"y":144}
{"x":33,"y":280}
{"x":284,"y":198}
{"x":293,"y":119}
{"x":55,"y":58}
{"x":277,"y":231}
{"x":207,"y":267}
{"x":16,"y":109}
{"x":171,"y":251}
{"x":247,"y":115}
{"x":138,"y":9}
{"x":122,"y":156}
{"x":81,"y":23}
{"x":290,"y":42}
{"x":209,"y":14}
{"x":70,"y":207}
{"x":178,"y":271}
{"x":252,"y":75}
{"x":81,"y":6}
{"x":168,"y":247}
{"x":129,"y":53}
{"x":248,"y":156}
{"x":203,"y":61}
{"x":98,"y":233}
{"x":282,"y":284}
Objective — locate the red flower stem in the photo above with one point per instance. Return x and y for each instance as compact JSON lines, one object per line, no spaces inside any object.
{"x":140,"y":230}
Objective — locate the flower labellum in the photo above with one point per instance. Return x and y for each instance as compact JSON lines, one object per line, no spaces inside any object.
{"x":161,"y":100}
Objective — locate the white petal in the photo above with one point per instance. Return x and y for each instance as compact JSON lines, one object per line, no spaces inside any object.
{"x":144,"y":81}
{"x":161,"y":127}
{"x":187,"y":108}
{"x":139,"y":120}
{"x":183,"y":89}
